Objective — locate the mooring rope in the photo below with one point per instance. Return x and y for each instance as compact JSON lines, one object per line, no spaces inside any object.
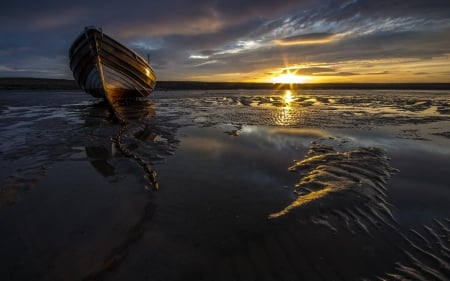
{"x":150,"y":172}
{"x":120,"y":251}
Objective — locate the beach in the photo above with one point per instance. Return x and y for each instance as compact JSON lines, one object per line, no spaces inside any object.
{"x":262,"y":184}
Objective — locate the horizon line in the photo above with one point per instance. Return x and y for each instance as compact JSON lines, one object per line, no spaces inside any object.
{"x":63,"y":83}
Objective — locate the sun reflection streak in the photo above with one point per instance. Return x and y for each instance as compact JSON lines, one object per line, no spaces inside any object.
{"x":287,"y":97}
{"x":285,"y":116}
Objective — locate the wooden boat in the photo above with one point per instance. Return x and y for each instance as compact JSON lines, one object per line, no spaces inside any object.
{"x":105,"y":68}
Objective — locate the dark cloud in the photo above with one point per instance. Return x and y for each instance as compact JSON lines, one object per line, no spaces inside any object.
{"x":200,"y":37}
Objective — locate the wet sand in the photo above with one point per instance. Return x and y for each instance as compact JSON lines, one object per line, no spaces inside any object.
{"x":362,"y":174}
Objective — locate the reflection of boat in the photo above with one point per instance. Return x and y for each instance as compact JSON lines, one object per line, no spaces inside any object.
{"x":105,"y":68}
{"x":135,"y":110}
{"x":135,"y":139}
{"x":99,"y":156}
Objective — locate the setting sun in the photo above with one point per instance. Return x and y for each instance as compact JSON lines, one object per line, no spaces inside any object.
{"x":289,"y":78}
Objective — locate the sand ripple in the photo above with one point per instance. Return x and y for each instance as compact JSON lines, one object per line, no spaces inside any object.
{"x":428,"y":254}
{"x":342,"y":181}
{"x":347,"y":191}
{"x":321,"y":109}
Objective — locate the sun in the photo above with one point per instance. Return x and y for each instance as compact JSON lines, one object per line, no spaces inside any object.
{"x":289,"y":78}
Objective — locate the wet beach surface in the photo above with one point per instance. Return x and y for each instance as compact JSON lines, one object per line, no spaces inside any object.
{"x":254,"y":185}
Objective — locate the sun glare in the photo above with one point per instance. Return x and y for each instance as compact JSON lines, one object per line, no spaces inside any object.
{"x":287,"y":97}
{"x":289,"y":78}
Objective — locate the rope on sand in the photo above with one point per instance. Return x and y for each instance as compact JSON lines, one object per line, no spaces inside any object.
{"x":150,"y":172}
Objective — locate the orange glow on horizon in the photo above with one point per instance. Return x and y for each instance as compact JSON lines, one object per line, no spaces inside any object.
{"x":289,"y":78}
{"x":401,"y":70}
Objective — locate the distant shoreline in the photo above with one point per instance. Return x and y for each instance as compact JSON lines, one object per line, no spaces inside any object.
{"x":17,"y":83}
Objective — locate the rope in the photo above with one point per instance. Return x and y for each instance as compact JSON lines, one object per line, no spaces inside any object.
{"x":150,"y":172}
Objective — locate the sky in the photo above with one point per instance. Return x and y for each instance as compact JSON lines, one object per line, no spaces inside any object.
{"x":304,"y":41}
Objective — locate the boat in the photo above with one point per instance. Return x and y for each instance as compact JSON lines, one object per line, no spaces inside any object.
{"x":107,"y":69}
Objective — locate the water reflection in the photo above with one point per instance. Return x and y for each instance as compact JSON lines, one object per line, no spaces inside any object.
{"x":287,"y":97}
{"x":134,"y":133}
{"x":286,"y":115}
{"x":135,"y":110}
{"x":99,"y":157}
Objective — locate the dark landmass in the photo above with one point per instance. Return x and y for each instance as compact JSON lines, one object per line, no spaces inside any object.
{"x":17,"y":83}
{"x":23,"y":83}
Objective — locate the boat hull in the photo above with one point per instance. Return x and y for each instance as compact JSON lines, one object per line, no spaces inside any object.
{"x":107,"y":69}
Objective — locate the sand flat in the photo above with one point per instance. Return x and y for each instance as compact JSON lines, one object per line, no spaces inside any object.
{"x":74,"y":206}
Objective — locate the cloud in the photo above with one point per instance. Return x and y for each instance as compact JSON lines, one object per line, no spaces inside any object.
{"x":4,"y":68}
{"x":312,"y":38}
{"x":321,"y":38}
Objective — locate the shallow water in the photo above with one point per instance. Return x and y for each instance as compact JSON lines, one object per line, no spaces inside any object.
{"x":369,"y":168}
